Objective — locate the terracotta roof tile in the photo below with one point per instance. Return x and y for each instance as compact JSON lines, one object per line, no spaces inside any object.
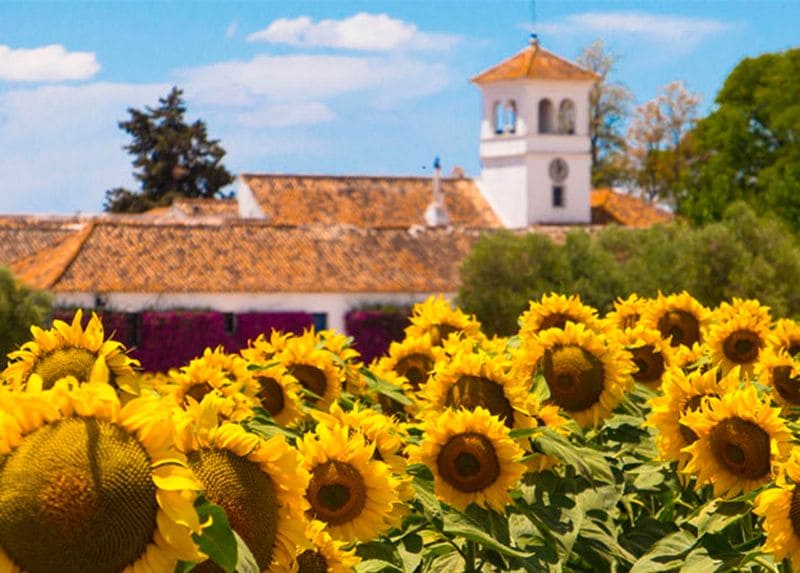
{"x":366,"y":201}
{"x":608,"y":206}
{"x":45,"y":267}
{"x":535,"y":63}
{"x":247,"y":256}
{"x":23,"y":235}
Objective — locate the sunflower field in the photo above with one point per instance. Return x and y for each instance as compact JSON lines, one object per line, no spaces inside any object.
{"x":659,"y":437}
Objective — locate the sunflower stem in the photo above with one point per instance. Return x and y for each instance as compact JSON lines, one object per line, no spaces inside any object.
{"x":469,"y":556}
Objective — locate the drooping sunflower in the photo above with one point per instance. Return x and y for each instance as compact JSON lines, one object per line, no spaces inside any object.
{"x":682,"y":393}
{"x":279,"y":392}
{"x":473,"y":378}
{"x":314,"y":367}
{"x":785,"y":335}
{"x":627,"y":312}
{"x":471,"y":456}
{"x":781,"y":372}
{"x":555,"y":311}
{"x":326,"y":555}
{"x":259,"y":483}
{"x":88,"y":486}
{"x":437,"y":318}
{"x":587,"y":374}
{"x":350,"y":490}
{"x":678,"y":317}
{"x":652,"y":355}
{"x":780,"y":508}
{"x":737,"y":339}
{"x":69,"y":350}
{"x":740,"y":441}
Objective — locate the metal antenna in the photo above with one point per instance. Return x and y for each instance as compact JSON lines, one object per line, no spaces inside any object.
{"x":534,"y":38}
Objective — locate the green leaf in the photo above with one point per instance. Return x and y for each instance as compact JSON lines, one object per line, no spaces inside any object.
{"x":458,"y":524}
{"x":246,"y":562}
{"x":425,"y":495}
{"x":666,"y":555}
{"x":587,"y":462}
{"x":217,"y":540}
{"x":449,"y":563}
{"x":377,"y":566}
{"x":382,"y":387}
{"x":717,"y":515}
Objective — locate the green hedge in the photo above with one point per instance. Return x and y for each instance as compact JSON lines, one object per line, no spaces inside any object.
{"x":743,"y":255}
{"x":20,"y":307}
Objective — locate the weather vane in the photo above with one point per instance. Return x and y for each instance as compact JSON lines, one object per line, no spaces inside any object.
{"x":534,"y":38}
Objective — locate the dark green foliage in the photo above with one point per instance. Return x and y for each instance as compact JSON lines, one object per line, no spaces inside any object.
{"x":749,"y":147}
{"x":171,"y":158}
{"x":743,"y":255}
{"x":20,"y":307}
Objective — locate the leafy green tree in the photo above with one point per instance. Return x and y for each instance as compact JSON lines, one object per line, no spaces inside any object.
{"x":171,"y":158}
{"x":20,"y":307}
{"x":749,"y":147}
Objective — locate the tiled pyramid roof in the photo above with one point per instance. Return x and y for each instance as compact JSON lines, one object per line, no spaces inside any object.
{"x":535,"y":63}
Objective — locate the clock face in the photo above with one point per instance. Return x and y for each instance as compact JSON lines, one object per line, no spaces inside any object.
{"x":558,"y":170}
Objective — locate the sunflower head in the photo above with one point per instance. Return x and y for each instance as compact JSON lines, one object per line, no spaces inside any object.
{"x":780,"y":508}
{"x":326,"y":555}
{"x":683,"y":393}
{"x":652,"y":355}
{"x":785,"y":335}
{"x":413,"y":358}
{"x":739,"y":336}
{"x":627,"y":312}
{"x":350,"y":490}
{"x":70,"y":350}
{"x":89,"y":486}
{"x":555,"y":311}
{"x":473,"y":378}
{"x":740,"y":441}
{"x":587,"y":374}
{"x":262,"y":350}
{"x":680,"y":318}
{"x":278,"y":392}
{"x":471,"y":456}
{"x":437,"y":318}
{"x":314,"y":367}
{"x":781,"y":373}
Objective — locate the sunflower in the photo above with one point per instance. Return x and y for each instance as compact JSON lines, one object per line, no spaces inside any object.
{"x":437,"y":318}
{"x":350,"y":490}
{"x":348,"y":358}
{"x":413,"y":358}
{"x":780,"y":372}
{"x":555,"y":311}
{"x":388,"y":437}
{"x":652,"y":355}
{"x":69,"y":350}
{"x":627,"y":312}
{"x":780,"y":508}
{"x":740,"y":439}
{"x":738,"y":339}
{"x":326,"y":555}
{"x":89,"y":486}
{"x":587,"y":374}
{"x":678,"y":317}
{"x":279,"y":392}
{"x":683,"y":393}
{"x":314,"y":367}
{"x":785,"y":335}
{"x":738,"y":306}
{"x":233,"y":367}
{"x":259,"y":483}
{"x":472,"y":378}
{"x":189,"y":385}
{"x":471,"y":456}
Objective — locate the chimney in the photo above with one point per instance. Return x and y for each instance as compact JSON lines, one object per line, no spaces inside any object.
{"x":435,"y":214}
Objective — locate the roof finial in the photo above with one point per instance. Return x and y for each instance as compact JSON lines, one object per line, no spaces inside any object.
{"x":534,"y":37}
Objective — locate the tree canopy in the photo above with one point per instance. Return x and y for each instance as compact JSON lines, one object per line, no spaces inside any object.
{"x":170,"y":158}
{"x":749,"y":147}
{"x":20,"y":307}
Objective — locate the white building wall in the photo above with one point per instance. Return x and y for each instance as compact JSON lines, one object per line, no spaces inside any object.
{"x":577,"y":187}
{"x":248,"y":206}
{"x":504,"y":186}
{"x":334,"y":305}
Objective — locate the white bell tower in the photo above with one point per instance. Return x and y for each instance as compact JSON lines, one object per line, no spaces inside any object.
{"x":535,"y":150}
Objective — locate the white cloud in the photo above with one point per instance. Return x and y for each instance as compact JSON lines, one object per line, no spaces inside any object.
{"x":312,"y":78}
{"x":46,"y":64}
{"x":287,"y":114}
{"x":232,"y":29}
{"x":682,"y":34}
{"x":362,"y":31}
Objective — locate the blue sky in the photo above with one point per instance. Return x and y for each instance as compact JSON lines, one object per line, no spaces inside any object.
{"x":332,"y":87}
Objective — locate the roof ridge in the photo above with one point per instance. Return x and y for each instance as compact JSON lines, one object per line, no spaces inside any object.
{"x":26,"y":266}
{"x":354,"y":176}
